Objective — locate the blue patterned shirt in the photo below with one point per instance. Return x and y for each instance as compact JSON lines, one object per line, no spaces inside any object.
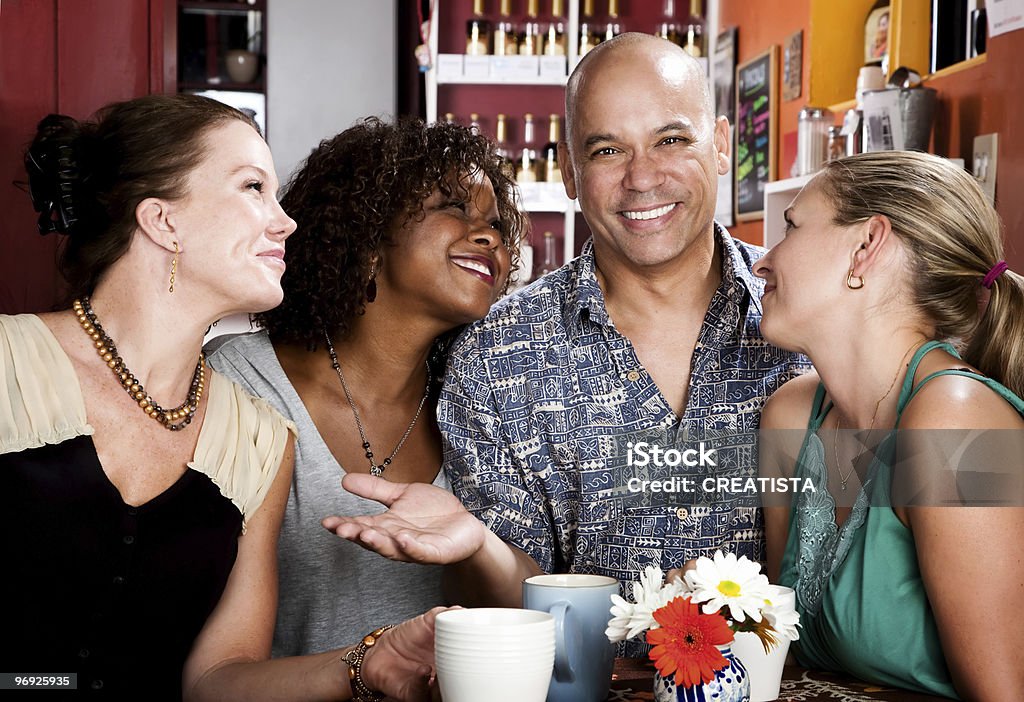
{"x":544,"y":395}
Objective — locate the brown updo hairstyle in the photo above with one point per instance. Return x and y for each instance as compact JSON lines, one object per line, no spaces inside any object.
{"x":87,"y":178}
{"x":351,"y":193}
{"x":953,"y":237}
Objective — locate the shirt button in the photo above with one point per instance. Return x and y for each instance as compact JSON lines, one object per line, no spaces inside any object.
{"x":96,"y":685}
{"x":129,"y":539}
{"x":132,"y":511}
{"x":119,"y":580}
{"x":682,"y":513}
{"x":83,"y":653}
{"x":633,"y":376}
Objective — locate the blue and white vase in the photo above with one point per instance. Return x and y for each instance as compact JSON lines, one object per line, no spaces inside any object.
{"x":731,"y":684}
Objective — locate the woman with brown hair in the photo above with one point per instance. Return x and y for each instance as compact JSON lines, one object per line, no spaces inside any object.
{"x":141,"y":493}
{"x":891,"y":279}
{"x":406,"y":233}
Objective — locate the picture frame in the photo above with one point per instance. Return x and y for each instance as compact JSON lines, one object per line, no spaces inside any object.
{"x":757,"y":118}
{"x":724,"y":65}
{"x":876,"y":35}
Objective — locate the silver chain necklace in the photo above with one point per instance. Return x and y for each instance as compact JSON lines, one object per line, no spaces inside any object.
{"x":375,"y":469}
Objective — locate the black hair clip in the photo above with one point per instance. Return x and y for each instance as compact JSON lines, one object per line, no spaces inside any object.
{"x":52,"y":191}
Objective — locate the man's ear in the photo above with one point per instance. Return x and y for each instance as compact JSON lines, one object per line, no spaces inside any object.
{"x":155,"y":219}
{"x":568,"y":173}
{"x":723,"y":145}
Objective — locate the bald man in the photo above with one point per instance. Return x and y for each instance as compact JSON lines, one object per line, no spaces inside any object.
{"x":555,"y":401}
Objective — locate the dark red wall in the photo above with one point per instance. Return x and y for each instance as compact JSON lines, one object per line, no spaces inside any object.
{"x":72,"y":57}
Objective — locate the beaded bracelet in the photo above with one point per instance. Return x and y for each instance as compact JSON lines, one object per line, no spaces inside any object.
{"x":354,"y":660}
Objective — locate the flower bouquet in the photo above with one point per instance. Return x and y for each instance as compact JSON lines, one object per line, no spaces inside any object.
{"x":691,"y":624}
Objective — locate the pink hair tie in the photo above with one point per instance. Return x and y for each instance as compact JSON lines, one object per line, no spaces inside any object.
{"x":993,"y":273}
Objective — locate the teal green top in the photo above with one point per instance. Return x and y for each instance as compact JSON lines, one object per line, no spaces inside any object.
{"x":859,"y":592}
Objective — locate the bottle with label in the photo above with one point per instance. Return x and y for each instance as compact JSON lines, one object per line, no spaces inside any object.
{"x":667,"y":29}
{"x":588,"y":34}
{"x":693,"y":42}
{"x":501,"y":145}
{"x":549,"y":262}
{"x":552,"y":173}
{"x":474,"y":122}
{"x":555,"y":40}
{"x":531,"y":40}
{"x":526,"y":165}
{"x":613,"y":28}
{"x":449,"y":118}
{"x":478,"y":31}
{"x":505,"y":41}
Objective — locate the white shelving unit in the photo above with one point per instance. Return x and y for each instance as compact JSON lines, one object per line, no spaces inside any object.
{"x":542,"y":199}
{"x":777,"y":196}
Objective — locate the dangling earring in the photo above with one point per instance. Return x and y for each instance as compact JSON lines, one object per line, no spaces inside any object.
{"x":851,"y":277}
{"x":174,"y":267}
{"x":371,"y":287}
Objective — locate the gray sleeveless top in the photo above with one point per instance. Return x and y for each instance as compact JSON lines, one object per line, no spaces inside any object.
{"x":332,"y":592}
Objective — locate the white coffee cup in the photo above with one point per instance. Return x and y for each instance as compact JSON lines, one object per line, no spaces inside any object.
{"x":764,"y":670}
{"x":494,"y":654}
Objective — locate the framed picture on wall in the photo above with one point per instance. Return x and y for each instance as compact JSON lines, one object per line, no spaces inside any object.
{"x":757,"y":108}
{"x":724,"y":62}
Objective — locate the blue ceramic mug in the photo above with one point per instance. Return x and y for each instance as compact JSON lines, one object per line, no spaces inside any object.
{"x":583,"y":655}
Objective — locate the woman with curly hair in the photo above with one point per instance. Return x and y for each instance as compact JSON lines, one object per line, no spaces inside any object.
{"x":141,"y":493}
{"x":406,"y":233}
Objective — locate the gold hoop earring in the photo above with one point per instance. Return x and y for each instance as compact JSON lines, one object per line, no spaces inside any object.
{"x":851,"y":277}
{"x":174,"y":267}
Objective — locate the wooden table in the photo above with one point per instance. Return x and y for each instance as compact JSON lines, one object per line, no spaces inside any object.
{"x":634,"y":678}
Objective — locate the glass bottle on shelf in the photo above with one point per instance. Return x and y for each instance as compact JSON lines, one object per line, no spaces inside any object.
{"x":449,"y":118}
{"x":531,"y":41}
{"x":588,"y":35}
{"x":505,"y":41}
{"x":549,"y":262}
{"x":474,"y":122}
{"x":666,"y":29}
{"x":526,"y":166}
{"x":694,"y":44}
{"x":613,"y":28}
{"x":555,"y":40}
{"x":501,"y":144}
{"x":478,"y":31}
{"x":552,"y":173}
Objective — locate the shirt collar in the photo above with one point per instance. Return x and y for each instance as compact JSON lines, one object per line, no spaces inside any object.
{"x":738,"y":282}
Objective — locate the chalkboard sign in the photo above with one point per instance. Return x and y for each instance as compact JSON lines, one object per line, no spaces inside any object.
{"x":756,"y":124}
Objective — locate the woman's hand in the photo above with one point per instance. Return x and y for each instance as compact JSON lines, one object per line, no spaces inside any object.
{"x":424,"y":524}
{"x":401,"y":664}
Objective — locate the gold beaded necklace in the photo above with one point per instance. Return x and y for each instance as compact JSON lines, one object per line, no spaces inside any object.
{"x":172,"y":419}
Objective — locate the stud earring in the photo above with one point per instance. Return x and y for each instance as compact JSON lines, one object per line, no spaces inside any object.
{"x":174,"y":267}
{"x":851,"y":277}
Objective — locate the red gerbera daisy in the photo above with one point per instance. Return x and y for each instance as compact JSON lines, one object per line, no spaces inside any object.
{"x":686,"y":642}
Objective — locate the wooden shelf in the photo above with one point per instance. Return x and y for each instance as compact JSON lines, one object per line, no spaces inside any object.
{"x":225,"y":85}
{"x":539,"y":80}
{"x":220,"y":8}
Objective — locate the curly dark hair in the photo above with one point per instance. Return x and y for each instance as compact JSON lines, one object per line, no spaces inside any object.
{"x":351,"y":192}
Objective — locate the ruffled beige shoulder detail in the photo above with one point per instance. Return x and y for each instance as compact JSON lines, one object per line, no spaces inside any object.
{"x":41,"y":401}
{"x":241,"y":444}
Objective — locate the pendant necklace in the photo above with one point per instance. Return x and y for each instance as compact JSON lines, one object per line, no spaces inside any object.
{"x":375,"y":469}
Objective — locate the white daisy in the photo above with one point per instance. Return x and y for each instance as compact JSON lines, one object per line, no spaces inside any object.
{"x":650,"y":593}
{"x":728,"y":581}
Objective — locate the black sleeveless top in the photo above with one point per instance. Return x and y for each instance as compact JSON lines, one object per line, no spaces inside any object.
{"x":92,"y":586}
{"x":116,"y":594}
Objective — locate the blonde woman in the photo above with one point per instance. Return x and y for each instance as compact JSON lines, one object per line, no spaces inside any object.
{"x":891,"y":279}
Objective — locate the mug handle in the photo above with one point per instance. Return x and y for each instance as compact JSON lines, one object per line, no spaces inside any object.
{"x":563,"y":667}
